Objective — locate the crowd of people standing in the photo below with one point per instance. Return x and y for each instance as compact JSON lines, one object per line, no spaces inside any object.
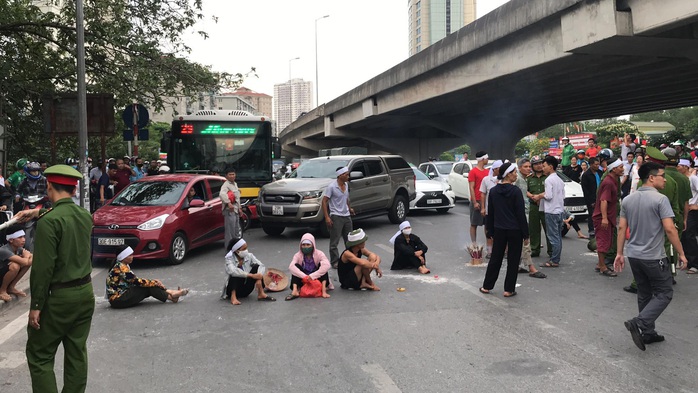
{"x":642,"y":205}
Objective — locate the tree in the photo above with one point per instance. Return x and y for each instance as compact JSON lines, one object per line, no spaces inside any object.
{"x":134,"y":49}
{"x":446,"y":156}
{"x":606,"y":133}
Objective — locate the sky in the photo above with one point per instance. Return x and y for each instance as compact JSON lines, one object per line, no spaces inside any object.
{"x":359,"y":40}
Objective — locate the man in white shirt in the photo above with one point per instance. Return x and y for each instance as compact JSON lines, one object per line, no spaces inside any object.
{"x":627,"y":146}
{"x":552,"y":203}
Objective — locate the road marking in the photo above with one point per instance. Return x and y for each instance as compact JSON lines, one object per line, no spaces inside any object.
{"x":418,"y":220}
{"x":13,"y":327}
{"x":13,"y":359}
{"x":20,"y":322}
{"x":384,"y":247}
{"x":381,"y":379}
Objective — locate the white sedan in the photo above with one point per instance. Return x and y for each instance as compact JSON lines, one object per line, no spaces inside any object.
{"x":574,"y":197}
{"x":432,"y":194}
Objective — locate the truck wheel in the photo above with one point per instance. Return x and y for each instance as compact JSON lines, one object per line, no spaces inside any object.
{"x":323,"y":230}
{"x":398,"y":211}
{"x":272,"y":230}
{"x":443,"y":210}
{"x":178,"y":249}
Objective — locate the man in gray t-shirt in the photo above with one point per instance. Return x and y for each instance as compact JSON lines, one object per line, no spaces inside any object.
{"x":338,"y":212}
{"x":14,"y":263}
{"x":648,"y":214}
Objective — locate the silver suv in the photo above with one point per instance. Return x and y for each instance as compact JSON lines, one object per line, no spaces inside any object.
{"x":379,"y":184}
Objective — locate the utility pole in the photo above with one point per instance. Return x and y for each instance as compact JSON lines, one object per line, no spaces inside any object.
{"x":82,"y":105}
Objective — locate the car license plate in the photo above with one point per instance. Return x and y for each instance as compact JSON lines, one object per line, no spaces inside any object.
{"x":277,"y":210}
{"x":110,"y":241}
{"x":576,"y":208}
{"x":433,"y":201}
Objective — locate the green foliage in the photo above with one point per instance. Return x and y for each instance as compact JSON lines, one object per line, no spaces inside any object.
{"x":134,"y":49}
{"x":461,"y":149}
{"x":607,"y":132}
{"x":530,"y":148}
{"x":446,"y":156}
{"x":450,"y":155}
{"x":681,"y":118}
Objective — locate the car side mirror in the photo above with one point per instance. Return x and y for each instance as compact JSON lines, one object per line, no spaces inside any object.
{"x":431,"y":175}
{"x":355,"y":175}
{"x":196,"y":203}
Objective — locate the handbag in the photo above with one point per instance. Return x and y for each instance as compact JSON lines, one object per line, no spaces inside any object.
{"x":311,"y":288}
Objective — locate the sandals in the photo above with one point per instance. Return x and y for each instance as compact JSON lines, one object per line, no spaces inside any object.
{"x":485,"y":291}
{"x":537,"y":275}
{"x":266,"y":299}
{"x":291,"y":297}
{"x":692,"y":270}
{"x":550,"y":264}
{"x":509,"y":294}
{"x":6,"y":297}
{"x":609,"y":273}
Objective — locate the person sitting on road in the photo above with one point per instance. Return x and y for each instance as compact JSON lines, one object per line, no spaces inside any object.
{"x":308,"y":264}
{"x":569,"y":222}
{"x":409,"y":250}
{"x":354,"y":271}
{"x":14,"y":263}
{"x":244,"y":273}
{"x":125,"y":289}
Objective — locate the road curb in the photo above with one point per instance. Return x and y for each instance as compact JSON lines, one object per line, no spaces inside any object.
{"x":22,"y":285}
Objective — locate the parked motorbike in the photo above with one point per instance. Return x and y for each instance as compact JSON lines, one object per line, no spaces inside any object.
{"x":249,"y":213}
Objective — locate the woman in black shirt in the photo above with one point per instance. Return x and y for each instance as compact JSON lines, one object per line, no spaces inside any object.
{"x":409,"y":250}
{"x":506,"y":220}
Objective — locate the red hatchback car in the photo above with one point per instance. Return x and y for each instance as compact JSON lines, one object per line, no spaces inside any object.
{"x":155,"y":217}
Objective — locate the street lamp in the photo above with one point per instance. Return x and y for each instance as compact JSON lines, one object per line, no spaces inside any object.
{"x":317,"y":83}
{"x":290,"y":91}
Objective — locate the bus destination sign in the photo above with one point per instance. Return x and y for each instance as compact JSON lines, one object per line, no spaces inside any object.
{"x":216,"y":129}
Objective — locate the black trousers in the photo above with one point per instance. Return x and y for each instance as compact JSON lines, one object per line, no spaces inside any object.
{"x":135,"y":295}
{"x":242,"y":286}
{"x":689,"y":239}
{"x":503,"y":239}
{"x":299,"y":281}
{"x":574,"y":225}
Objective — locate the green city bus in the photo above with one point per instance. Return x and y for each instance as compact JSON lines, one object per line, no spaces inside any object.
{"x":215,"y":140}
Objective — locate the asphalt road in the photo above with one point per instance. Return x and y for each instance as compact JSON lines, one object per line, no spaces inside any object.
{"x":560,"y":334}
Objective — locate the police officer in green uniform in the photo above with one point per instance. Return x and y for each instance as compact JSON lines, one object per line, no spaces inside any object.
{"x":536,"y":219}
{"x":670,"y":191}
{"x":62,"y":300}
{"x":684,"y":194}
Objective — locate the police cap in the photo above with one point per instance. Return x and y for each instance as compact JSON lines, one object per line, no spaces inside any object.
{"x":653,"y":154}
{"x":62,"y":174}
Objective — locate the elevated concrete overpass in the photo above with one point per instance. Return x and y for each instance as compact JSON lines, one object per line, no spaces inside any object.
{"x":526,"y":66}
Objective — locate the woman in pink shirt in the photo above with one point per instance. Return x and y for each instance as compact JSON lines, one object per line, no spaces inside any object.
{"x":308,"y":263}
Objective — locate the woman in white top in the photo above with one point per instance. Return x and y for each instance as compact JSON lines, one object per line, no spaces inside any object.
{"x":244,"y":273}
